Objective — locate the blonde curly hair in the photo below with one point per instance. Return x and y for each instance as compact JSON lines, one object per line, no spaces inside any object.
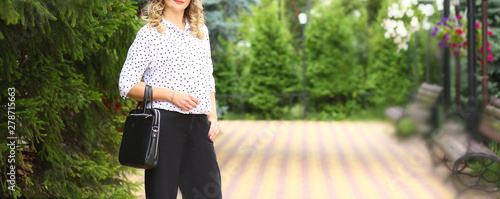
{"x":153,"y":10}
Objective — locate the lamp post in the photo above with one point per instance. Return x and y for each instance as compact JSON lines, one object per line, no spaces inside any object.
{"x":303,"y":21}
{"x":484,"y":20}
{"x":471,"y":59}
{"x":446,"y":66}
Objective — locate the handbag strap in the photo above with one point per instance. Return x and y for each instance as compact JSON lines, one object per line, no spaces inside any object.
{"x":150,"y":91}
{"x":148,"y":94}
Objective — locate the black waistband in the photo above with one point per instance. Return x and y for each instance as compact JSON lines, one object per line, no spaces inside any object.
{"x":178,"y":114}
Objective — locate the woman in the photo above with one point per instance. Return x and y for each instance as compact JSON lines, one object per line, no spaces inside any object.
{"x":172,"y":54}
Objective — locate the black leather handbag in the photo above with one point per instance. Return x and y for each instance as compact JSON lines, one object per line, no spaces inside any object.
{"x":139,"y":147}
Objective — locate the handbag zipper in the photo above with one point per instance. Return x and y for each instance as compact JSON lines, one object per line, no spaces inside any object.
{"x":158,"y":130}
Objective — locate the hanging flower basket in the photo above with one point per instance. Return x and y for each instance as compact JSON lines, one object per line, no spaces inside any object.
{"x":452,"y":33}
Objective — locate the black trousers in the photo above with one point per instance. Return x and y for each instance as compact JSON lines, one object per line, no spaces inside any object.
{"x":186,"y":160}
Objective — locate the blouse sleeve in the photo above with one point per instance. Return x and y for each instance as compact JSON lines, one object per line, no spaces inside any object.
{"x":138,"y":59}
{"x":211,"y":80}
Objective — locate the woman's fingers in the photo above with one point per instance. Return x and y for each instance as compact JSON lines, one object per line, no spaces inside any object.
{"x":215,"y":129}
{"x":191,"y":103}
{"x":186,"y":101}
{"x":211,"y":131}
{"x":194,"y":99}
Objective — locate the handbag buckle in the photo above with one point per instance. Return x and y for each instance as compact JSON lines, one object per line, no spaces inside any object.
{"x":155,"y":129}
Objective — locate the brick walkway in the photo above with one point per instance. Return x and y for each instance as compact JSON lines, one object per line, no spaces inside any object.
{"x":286,"y":160}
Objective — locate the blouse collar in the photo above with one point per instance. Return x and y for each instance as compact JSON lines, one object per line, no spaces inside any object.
{"x":171,"y":25}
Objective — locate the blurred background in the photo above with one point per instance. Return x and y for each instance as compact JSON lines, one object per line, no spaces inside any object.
{"x":326,"y":68}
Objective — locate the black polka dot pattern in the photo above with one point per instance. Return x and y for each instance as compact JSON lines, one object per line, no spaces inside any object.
{"x":176,"y":60}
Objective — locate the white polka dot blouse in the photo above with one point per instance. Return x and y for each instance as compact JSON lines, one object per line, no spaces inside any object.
{"x":175,"y":60}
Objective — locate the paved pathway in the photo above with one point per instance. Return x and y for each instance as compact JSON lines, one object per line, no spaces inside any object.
{"x":359,"y":160}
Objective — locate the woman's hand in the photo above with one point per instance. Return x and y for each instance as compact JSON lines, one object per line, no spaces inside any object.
{"x":214,"y":128}
{"x":185,"y":101}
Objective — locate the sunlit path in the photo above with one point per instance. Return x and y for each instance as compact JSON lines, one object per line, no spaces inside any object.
{"x":285,"y":159}
{"x":268,"y":159}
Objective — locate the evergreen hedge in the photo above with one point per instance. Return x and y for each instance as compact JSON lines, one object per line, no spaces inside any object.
{"x":334,"y":73}
{"x":271,"y":67}
{"x":386,"y":68}
{"x":63,"y":58}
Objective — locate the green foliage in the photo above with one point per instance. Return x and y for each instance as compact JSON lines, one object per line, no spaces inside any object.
{"x":337,"y":111}
{"x":359,"y":18}
{"x":373,"y":7}
{"x":387,"y":73}
{"x":490,"y":173}
{"x":226,"y":71}
{"x":405,"y":127}
{"x":222,"y":17}
{"x":493,"y":69}
{"x":344,"y":59}
{"x":347,"y":55}
{"x":333,"y":72}
{"x":387,"y":78}
{"x":492,"y":170}
{"x":289,"y":11}
{"x":271,"y":67}
{"x":63,"y":57}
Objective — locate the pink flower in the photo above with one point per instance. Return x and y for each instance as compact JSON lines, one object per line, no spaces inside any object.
{"x":465,"y":43}
{"x":453,"y":45}
{"x":478,"y":25}
{"x":459,"y":17}
{"x":490,"y":33}
{"x":459,"y":31}
{"x":489,"y":50}
{"x":490,"y":58}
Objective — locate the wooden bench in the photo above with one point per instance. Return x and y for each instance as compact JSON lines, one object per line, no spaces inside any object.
{"x":420,"y":110}
{"x":474,"y":165}
{"x":451,"y":139}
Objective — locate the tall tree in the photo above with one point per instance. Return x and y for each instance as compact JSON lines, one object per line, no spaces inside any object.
{"x":271,"y":68}
{"x":62,"y":58}
{"x":333,"y":70}
{"x":386,"y":69}
{"x":223,"y":21}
